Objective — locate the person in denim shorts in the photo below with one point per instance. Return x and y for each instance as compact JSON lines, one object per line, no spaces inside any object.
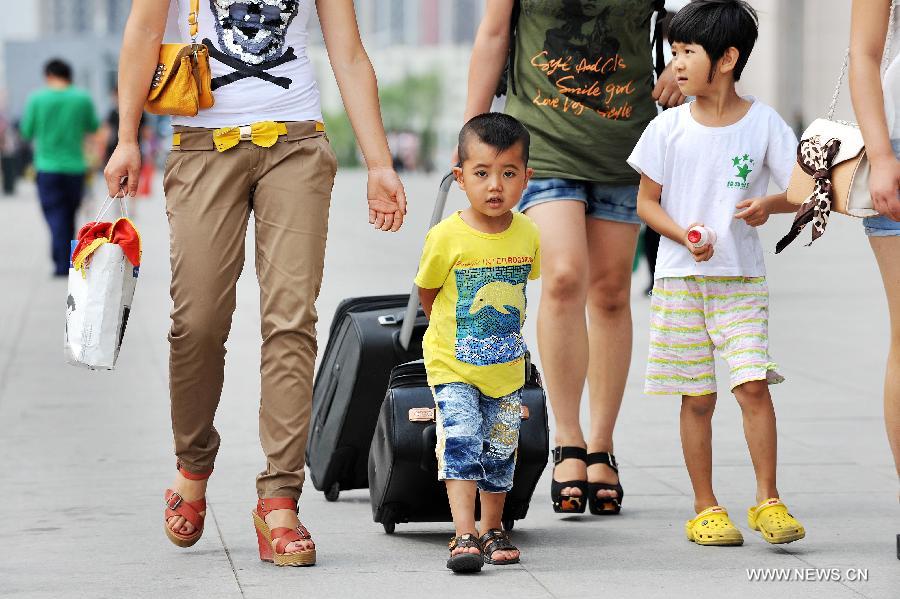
{"x":581,"y":80}
{"x":880,"y":124}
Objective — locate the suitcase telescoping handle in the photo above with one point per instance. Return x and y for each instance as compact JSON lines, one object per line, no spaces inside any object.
{"x":409,"y":320}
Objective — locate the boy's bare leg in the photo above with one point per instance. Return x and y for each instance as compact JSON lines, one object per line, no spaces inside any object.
{"x":761,"y":435}
{"x":461,"y":494}
{"x":696,"y":443}
{"x":491,"y":514}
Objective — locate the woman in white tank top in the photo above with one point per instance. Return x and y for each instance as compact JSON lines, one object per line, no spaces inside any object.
{"x":876,"y":101}
{"x":260,"y":148}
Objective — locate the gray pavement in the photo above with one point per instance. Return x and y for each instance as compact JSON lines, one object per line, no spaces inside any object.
{"x":85,"y":456}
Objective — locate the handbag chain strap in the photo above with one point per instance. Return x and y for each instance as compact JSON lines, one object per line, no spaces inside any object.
{"x":887,"y":52}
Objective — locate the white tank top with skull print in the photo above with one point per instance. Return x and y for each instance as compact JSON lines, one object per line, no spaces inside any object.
{"x":257,"y":51}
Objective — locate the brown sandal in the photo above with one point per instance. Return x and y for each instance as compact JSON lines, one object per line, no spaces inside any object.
{"x":192,"y":511}
{"x":465,"y":562}
{"x":272,"y":541}
{"x":497,"y":540}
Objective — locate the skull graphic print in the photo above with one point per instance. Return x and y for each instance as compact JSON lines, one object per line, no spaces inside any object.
{"x":251,"y":35}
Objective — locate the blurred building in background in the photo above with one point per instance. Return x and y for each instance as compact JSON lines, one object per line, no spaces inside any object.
{"x":86,"y":33}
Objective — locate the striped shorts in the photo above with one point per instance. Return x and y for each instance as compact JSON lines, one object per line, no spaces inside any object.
{"x":692,"y":316}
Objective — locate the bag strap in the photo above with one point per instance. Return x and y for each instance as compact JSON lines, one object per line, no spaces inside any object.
{"x":659,"y":7}
{"x":887,"y":52}
{"x":194,"y":20}
{"x":108,"y":203}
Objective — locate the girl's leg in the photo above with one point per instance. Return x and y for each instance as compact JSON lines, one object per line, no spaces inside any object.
{"x":561,"y":326}
{"x":696,"y":443}
{"x":887,"y":251}
{"x":611,"y":247}
{"x":761,"y":434}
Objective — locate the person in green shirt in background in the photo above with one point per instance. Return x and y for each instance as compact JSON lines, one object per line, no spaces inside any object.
{"x":57,"y":119}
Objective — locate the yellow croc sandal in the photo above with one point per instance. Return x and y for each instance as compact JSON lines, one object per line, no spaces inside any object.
{"x":712,"y":526}
{"x":771,"y":518}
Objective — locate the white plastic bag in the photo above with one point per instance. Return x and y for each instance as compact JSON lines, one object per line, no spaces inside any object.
{"x":98,"y":304}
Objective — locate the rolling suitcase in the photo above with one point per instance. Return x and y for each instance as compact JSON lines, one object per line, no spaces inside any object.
{"x":403,"y":484}
{"x":364,"y":344}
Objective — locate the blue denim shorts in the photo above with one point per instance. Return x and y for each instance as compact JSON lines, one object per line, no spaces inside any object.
{"x":477,"y":436}
{"x":617,"y":203}
{"x":882,"y":226}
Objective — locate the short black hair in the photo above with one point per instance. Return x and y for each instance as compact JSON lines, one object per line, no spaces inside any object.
{"x":495,"y":129}
{"x":717,"y":25}
{"x":58,"y":68}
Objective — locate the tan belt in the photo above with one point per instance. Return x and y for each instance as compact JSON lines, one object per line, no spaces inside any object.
{"x":264,"y":134}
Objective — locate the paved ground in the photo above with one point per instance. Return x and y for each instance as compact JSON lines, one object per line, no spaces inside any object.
{"x":84,"y":456}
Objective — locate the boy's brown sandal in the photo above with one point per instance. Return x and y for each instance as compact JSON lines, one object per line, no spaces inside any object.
{"x":466,"y":561}
{"x":497,"y":540}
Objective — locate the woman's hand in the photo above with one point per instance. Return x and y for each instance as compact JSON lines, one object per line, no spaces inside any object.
{"x":667,"y":93}
{"x":124,"y":162}
{"x":387,"y":199}
{"x":884,"y":185}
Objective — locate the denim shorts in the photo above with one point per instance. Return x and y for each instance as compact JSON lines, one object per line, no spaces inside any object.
{"x":477,"y":436}
{"x":882,"y":226}
{"x":617,"y":203}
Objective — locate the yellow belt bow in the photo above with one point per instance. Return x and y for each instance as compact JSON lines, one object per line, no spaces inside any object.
{"x":263,"y":134}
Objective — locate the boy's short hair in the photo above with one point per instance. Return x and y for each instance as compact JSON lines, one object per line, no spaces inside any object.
{"x":495,"y":129}
{"x":717,"y":25}
{"x":58,"y":68}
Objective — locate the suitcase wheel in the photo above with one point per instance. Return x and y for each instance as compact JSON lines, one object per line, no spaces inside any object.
{"x":333,"y":492}
{"x":389,"y":527}
{"x":508,"y":524}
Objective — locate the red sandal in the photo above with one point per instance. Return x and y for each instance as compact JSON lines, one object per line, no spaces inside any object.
{"x":272,"y":541}
{"x":192,"y":511}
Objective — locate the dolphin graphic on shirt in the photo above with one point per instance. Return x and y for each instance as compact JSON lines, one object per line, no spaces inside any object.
{"x":499,"y":296}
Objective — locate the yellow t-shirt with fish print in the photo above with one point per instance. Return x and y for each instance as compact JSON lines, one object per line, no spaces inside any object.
{"x":474,"y":335}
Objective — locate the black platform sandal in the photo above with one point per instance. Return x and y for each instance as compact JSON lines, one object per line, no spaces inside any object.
{"x":604,"y":506}
{"x":465,"y":562}
{"x":497,"y":540}
{"x":568,"y":504}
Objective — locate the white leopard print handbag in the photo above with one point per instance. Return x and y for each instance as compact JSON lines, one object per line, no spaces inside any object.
{"x":832,"y":171}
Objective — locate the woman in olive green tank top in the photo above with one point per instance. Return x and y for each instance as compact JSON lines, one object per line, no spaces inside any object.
{"x":581,"y":80}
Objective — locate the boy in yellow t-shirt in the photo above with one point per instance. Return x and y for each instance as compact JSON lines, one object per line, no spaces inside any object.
{"x":471,"y":280}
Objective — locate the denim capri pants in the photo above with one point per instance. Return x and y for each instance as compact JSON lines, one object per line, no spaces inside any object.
{"x":477,"y":436}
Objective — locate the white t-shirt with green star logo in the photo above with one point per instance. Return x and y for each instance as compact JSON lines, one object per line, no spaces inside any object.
{"x":705,"y":172}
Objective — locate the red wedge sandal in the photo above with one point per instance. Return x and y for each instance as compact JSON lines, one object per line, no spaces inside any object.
{"x":272,"y":541}
{"x":192,"y":511}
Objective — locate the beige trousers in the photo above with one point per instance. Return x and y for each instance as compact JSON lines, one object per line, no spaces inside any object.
{"x":209,"y":197}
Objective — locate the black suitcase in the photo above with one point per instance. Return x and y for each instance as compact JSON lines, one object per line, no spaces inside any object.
{"x":367,"y":338}
{"x":403,"y":484}
{"x":363,"y":346}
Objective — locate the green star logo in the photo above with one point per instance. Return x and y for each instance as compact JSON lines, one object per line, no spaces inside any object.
{"x":743,"y":164}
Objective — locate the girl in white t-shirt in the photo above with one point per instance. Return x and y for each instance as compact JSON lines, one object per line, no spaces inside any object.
{"x":709,"y":162}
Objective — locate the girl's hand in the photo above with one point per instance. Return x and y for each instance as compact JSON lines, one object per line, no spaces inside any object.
{"x":702,"y":254}
{"x":884,"y":183}
{"x":754,"y":212}
{"x":387,"y":199}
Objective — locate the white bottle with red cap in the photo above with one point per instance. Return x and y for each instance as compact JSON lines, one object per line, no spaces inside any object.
{"x":700,"y":236}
